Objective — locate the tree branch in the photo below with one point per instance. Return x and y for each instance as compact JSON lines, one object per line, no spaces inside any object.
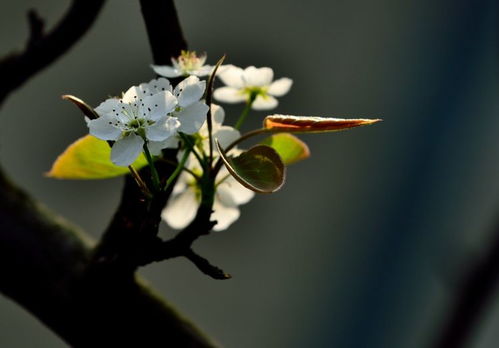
{"x":475,"y":293}
{"x":181,"y":245}
{"x":131,"y":239}
{"x":134,"y":227}
{"x":163,"y":29}
{"x":42,"y":50}
{"x":46,"y":264}
{"x":43,"y":264}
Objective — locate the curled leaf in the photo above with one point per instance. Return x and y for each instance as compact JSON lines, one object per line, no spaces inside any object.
{"x":84,"y":107}
{"x":260,"y":169}
{"x":208,"y":97}
{"x":89,"y":158}
{"x":211,"y":80}
{"x":290,"y":148}
{"x":313,"y":124}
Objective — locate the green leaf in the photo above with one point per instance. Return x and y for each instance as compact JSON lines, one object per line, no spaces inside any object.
{"x":290,"y":148}
{"x":259,"y":169}
{"x":313,"y":124}
{"x":84,"y":107}
{"x":89,"y":158}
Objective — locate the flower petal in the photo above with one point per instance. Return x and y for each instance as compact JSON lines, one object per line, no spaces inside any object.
{"x":264,"y":102}
{"x":158,"y":105}
{"x":217,"y":115}
{"x":192,"y":117}
{"x":156,"y":85}
{"x":189,"y":91}
{"x":165,"y":127}
{"x":224,"y":215}
{"x":166,"y":70}
{"x":229,"y":95}
{"x":226,"y":135}
{"x":155,"y":147}
{"x":280,"y":87}
{"x":126,"y":150}
{"x":108,"y":106}
{"x":258,"y":77}
{"x":232,"y":76}
{"x":135,"y":93}
{"x":181,"y":209}
{"x":203,"y":71}
{"x":232,"y":192}
{"x":181,"y":184}
{"x":104,"y":128}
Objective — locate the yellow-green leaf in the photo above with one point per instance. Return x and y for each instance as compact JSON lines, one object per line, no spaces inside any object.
{"x":259,"y":169}
{"x":313,"y":124}
{"x":290,"y":148}
{"x":89,"y":158}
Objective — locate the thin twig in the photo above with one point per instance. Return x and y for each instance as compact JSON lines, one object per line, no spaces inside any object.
{"x":139,"y":181}
{"x":43,"y":49}
{"x":36,"y":26}
{"x":206,"y":267}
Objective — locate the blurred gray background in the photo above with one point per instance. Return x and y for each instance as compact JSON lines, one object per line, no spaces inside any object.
{"x":365,"y":243}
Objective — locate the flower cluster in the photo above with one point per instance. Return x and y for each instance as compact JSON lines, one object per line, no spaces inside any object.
{"x":155,"y":115}
{"x":210,"y":170}
{"x":200,"y":182}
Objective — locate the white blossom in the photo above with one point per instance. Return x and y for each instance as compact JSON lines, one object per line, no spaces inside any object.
{"x":140,"y":116}
{"x":151,"y":113}
{"x":241,"y":84}
{"x":188,"y":63}
{"x":186,"y":195}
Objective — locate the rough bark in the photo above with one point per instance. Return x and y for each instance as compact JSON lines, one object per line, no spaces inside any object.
{"x":50,"y":267}
{"x":43,"y":263}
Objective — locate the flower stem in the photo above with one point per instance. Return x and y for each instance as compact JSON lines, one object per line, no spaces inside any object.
{"x":180,"y":167}
{"x":190,"y":144}
{"x":249,"y":135}
{"x":246,"y":110}
{"x":154,"y":172}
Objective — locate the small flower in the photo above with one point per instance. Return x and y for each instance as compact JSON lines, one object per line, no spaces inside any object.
{"x":242,"y":84}
{"x":186,"y":195}
{"x":140,"y":116}
{"x":188,"y":63}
